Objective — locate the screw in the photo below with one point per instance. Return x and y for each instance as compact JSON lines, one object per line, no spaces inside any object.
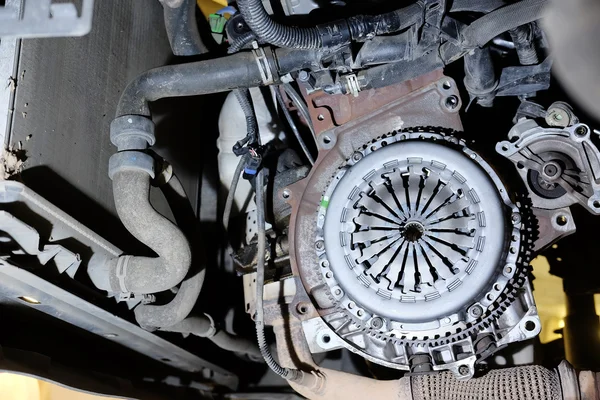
{"x":320,"y":245}
{"x":581,"y":131}
{"x":377,"y":323}
{"x":515,"y":218}
{"x":464,"y":370}
{"x":476,"y":311}
{"x":357,"y":156}
{"x":286,"y":194}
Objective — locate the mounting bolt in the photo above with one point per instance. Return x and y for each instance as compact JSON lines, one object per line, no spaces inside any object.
{"x":476,"y":311}
{"x":464,"y":370}
{"x":303,"y":76}
{"x":377,"y":323}
{"x":451,"y":102}
{"x":515,"y":218}
{"x":357,"y":156}
{"x":581,"y":131}
{"x":320,"y":245}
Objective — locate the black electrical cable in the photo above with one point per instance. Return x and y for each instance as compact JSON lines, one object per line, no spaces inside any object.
{"x":293,"y":126}
{"x":302,"y":108}
{"x":232,"y":188}
{"x":286,"y":373}
{"x":243,"y":97}
{"x":330,"y":35}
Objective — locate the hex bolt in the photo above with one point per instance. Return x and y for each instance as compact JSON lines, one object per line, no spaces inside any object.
{"x":464,"y":370}
{"x":320,"y":245}
{"x":357,"y":156}
{"x":303,"y":76}
{"x":476,"y":311}
{"x":515,"y":218}
{"x":377,"y":322}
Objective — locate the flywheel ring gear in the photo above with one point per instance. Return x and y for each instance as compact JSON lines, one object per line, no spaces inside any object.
{"x":514,"y":271}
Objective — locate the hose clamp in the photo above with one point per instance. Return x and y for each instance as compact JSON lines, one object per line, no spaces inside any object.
{"x":121,"y":271}
{"x":212,"y":331}
{"x":130,"y":160}
{"x":263,"y":64}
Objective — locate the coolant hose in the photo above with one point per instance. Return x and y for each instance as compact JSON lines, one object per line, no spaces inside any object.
{"x":329,"y":35}
{"x":202,"y":326}
{"x":151,"y":316}
{"x":131,"y":189}
{"x":501,"y":20}
{"x":522,"y":37}
{"x":240,"y":70}
{"x":480,"y":76}
{"x":182,"y":28}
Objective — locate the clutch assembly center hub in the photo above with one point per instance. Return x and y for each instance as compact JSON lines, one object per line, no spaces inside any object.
{"x":416,"y":230}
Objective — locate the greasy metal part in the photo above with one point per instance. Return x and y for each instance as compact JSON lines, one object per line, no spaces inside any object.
{"x":413,"y":238}
{"x":328,"y":111}
{"x":45,"y":18}
{"x":351,"y":324}
{"x":537,"y":152}
{"x":553,"y":225}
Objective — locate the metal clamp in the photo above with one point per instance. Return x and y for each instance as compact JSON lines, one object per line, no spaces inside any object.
{"x":263,"y":64}
{"x":212,"y":331}
{"x":121,"y":272}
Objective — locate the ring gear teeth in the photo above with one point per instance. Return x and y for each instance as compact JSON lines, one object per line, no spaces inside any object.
{"x":528,"y":235}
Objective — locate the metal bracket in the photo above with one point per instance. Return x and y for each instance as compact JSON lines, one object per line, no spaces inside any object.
{"x":42,"y":18}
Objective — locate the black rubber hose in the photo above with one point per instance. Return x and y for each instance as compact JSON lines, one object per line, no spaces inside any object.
{"x":182,"y":29}
{"x":523,"y":39}
{"x":501,"y":20}
{"x":332,"y":34}
{"x":222,"y":74}
{"x":480,"y":76}
{"x":151,"y":316}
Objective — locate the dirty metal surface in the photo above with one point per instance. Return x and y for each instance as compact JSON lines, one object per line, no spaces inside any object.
{"x":328,"y":111}
{"x":422,"y":105}
{"x":67,"y":90}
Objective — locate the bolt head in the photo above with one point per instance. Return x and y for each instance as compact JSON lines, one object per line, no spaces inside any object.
{"x":320,"y":245}
{"x":581,"y":131}
{"x":464,"y":370}
{"x":476,"y":311}
{"x":377,"y":323}
{"x":515,"y":218}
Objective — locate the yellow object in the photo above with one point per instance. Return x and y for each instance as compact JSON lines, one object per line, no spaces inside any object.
{"x":550,"y":299}
{"x":21,"y":387}
{"x":211,"y":6}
